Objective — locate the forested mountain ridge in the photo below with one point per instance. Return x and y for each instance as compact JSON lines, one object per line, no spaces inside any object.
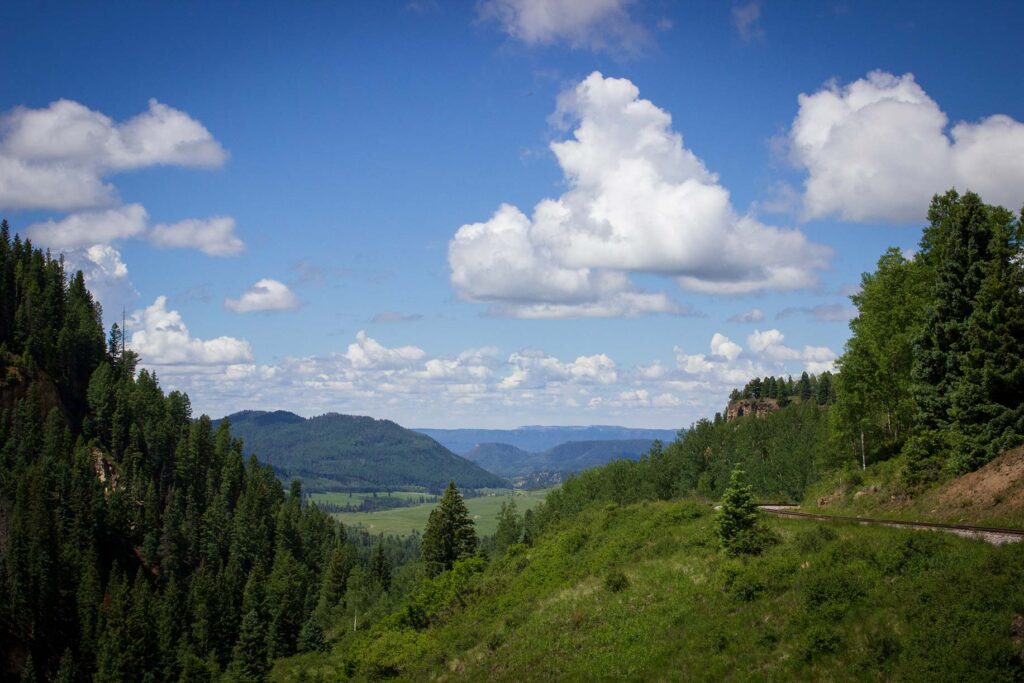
{"x":347,"y":452}
{"x":572,"y":456}
{"x":537,"y":438}
{"x":136,"y":543}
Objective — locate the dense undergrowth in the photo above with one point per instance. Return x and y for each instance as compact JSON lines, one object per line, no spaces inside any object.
{"x":832,"y":602}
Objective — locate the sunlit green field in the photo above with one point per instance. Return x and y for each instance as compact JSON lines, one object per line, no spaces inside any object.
{"x":347,"y":498}
{"x":402,"y":521}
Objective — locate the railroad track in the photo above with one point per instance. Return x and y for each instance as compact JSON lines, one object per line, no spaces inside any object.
{"x":994,"y":535}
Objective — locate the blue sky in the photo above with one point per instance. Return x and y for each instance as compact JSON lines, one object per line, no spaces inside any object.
{"x":299,"y":206}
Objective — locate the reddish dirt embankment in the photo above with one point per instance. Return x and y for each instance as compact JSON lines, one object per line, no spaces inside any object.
{"x":996,"y":490}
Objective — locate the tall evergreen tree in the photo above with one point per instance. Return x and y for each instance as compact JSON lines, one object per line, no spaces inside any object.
{"x":450,"y":534}
{"x":380,"y":567}
{"x":956,"y":246}
{"x":510,"y":526}
{"x":987,"y":400}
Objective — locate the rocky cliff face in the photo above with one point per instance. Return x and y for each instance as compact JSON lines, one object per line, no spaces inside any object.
{"x":751,"y":406}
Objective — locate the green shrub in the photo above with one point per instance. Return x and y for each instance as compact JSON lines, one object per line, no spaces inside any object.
{"x":820,"y":640}
{"x":575,"y":540}
{"x":616,"y":581}
{"x":925,"y":456}
{"x":812,"y":540}
{"x":831,"y":591}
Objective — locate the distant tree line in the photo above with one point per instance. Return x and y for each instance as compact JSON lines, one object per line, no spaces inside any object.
{"x":784,"y":390}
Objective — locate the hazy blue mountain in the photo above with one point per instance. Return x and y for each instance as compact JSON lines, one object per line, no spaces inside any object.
{"x":537,"y":439}
{"x":572,"y":456}
{"x":337,"y":452}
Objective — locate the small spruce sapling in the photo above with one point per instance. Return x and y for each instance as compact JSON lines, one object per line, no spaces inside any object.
{"x":738,"y":523}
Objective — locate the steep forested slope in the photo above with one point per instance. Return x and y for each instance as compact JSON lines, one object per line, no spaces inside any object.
{"x":136,"y":543}
{"x":336,"y":452}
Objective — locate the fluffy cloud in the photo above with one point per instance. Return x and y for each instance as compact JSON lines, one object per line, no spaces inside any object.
{"x":161,"y":338}
{"x":638,"y":202}
{"x":91,"y":227}
{"x":367,"y":352}
{"x":408,"y":384}
{"x":56,"y":157}
{"x":536,"y":369}
{"x":769,"y":347}
{"x":877,"y":149}
{"x":725,"y":347}
{"x":595,"y":25}
{"x":729,"y":366}
{"x":213,"y":236}
{"x":265,"y":295}
{"x":105,"y":273}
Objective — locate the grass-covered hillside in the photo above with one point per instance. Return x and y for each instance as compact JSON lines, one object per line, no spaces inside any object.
{"x":339,"y":452}
{"x":644,"y":592}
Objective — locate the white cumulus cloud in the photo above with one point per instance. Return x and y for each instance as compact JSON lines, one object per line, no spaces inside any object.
{"x":593,"y":24}
{"x":56,"y":157}
{"x":878,"y":148}
{"x":769,"y":347}
{"x":638,"y":202}
{"x":367,"y":352}
{"x":265,"y":295}
{"x":161,"y":338}
{"x":91,"y":227}
{"x":725,"y":347}
{"x":213,"y":236}
{"x":106,"y":276}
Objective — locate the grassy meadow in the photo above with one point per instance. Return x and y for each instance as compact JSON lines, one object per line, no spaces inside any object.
{"x":405,"y":520}
{"x":355,"y":498}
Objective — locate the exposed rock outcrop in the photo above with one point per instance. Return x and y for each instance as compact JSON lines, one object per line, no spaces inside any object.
{"x":751,"y":406}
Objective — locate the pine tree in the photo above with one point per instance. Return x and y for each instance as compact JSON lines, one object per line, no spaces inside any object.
{"x":66,"y":670}
{"x":450,"y":534}
{"x":380,"y":567}
{"x":250,"y":662}
{"x":956,"y":246}
{"x":824,"y":388}
{"x":335,"y":577}
{"x":510,"y":527}
{"x":28,"y":671}
{"x":737,"y":522}
{"x":804,"y":389}
{"x":311,"y":637}
{"x":987,"y":401}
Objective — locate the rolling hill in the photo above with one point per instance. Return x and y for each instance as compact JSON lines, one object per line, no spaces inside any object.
{"x":346,"y":452}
